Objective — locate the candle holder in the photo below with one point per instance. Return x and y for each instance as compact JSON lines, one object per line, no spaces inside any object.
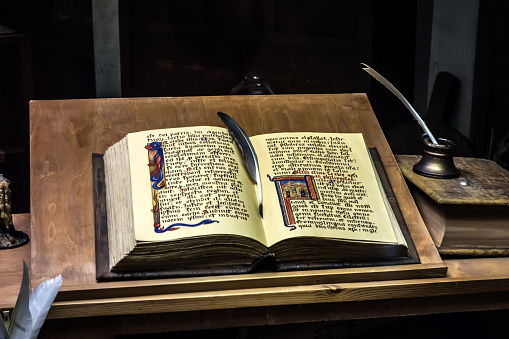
{"x":437,"y":160}
{"x":9,"y":236}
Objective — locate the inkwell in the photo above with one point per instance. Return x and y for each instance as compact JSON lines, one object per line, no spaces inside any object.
{"x":437,"y":160}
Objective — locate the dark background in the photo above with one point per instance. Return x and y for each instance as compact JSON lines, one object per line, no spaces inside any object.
{"x":205,"y":47}
{"x":198,"y":47}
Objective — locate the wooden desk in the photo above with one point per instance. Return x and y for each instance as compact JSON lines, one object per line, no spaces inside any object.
{"x":66,"y":132}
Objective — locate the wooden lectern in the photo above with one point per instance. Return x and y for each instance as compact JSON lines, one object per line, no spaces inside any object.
{"x":65,"y":133}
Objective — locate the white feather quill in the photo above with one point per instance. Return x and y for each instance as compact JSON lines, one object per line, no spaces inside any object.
{"x":30,"y":310}
{"x":21,"y":322}
{"x":40,"y":302}
{"x":400,"y":96}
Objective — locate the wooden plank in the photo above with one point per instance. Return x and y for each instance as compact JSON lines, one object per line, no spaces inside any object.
{"x":488,"y":182}
{"x":66,"y":132}
{"x":119,"y":289}
{"x":11,"y":264}
{"x":112,"y":326}
{"x":458,"y":270}
{"x":468,"y":277}
{"x":472,"y":296}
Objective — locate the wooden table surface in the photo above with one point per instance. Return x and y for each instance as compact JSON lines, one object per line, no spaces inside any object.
{"x":64,"y":134}
{"x":11,"y":264}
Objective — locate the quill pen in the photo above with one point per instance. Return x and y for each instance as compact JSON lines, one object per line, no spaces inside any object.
{"x":41,"y":299}
{"x":21,"y":322}
{"x":248,"y":152}
{"x":400,"y":96}
{"x":31,"y":309}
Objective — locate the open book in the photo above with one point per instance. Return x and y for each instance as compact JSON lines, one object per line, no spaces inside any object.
{"x":181,"y":198}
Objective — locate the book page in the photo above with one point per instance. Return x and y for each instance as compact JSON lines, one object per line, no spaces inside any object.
{"x":191,"y":182}
{"x":320,"y":184}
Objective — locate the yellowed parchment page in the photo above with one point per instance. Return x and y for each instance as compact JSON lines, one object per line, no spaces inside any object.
{"x":206,"y":188}
{"x":320,"y":184}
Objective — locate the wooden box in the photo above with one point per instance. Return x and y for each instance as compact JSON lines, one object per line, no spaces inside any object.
{"x":468,"y":215}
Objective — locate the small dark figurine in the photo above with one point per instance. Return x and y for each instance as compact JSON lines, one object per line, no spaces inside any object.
{"x":9,"y":237}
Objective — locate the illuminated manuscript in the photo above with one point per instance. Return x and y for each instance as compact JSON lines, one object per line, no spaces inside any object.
{"x":182,"y":197}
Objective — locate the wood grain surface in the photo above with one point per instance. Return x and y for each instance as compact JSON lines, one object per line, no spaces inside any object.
{"x":65,"y":133}
{"x":487,"y":182}
{"x":466,"y":216}
{"x":467,"y":277}
{"x":11,"y":264}
{"x":306,"y":314}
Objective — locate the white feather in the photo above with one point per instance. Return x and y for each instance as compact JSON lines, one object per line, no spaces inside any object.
{"x":40,"y":302}
{"x":400,"y":96}
{"x":21,"y":322}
